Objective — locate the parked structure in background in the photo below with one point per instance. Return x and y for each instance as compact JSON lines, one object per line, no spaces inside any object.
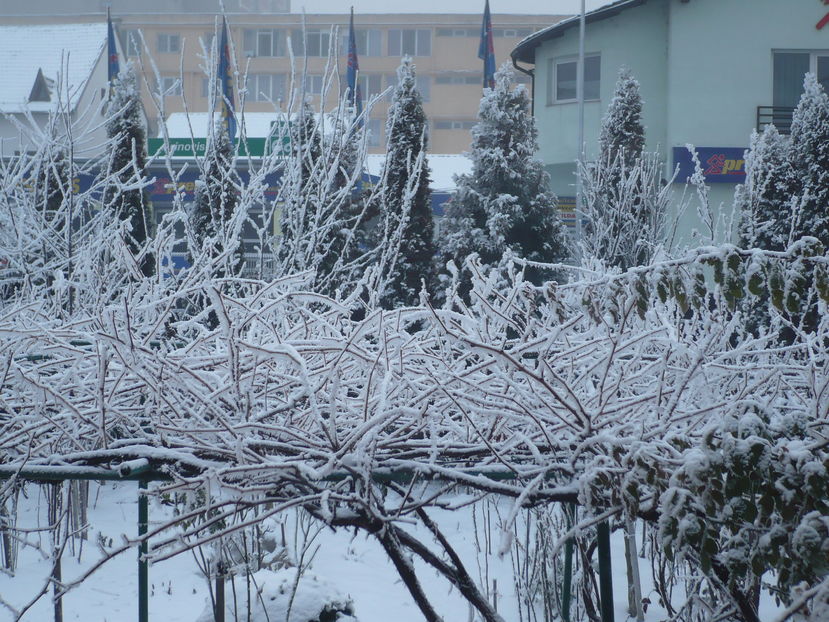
{"x":710,"y":73}
{"x":265,"y":34}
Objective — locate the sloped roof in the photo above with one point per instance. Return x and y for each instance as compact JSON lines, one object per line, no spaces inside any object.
{"x":525,"y":50}
{"x":66,"y":53}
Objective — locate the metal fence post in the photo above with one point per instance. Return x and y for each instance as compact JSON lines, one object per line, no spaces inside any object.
{"x":143,"y":574}
{"x":605,"y":573}
{"x":567,"y":583}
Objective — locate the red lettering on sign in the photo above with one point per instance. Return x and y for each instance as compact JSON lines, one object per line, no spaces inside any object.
{"x":825,"y":19}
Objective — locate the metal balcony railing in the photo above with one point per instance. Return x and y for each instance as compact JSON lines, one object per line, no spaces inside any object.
{"x":780,"y":116}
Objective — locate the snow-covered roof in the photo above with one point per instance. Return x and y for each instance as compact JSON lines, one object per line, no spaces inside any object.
{"x":443,"y":166}
{"x":65,"y":53}
{"x":525,"y":50}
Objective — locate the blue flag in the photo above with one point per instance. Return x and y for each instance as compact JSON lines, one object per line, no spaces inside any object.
{"x":112,"y":52}
{"x":225,"y":76}
{"x":486,"y":49}
{"x":354,"y":94}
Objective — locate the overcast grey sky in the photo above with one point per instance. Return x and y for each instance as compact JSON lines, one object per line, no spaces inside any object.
{"x":443,"y":6}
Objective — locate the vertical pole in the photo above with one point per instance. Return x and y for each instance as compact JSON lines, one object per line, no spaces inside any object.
{"x":143,"y":574}
{"x":567,"y":584}
{"x":55,"y":514}
{"x":605,"y":573}
{"x":580,"y":97}
{"x":219,"y":614}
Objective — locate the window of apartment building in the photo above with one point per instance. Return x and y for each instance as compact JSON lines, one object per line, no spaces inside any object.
{"x":374,"y":127}
{"x":207,"y":41}
{"x":168,"y":43}
{"x":265,"y":87}
{"x":316,"y":42}
{"x":789,"y":69}
{"x":371,"y":84}
{"x":459,"y":32}
{"x":458,"y":78}
{"x":368,"y":42}
{"x":423,"y":83}
{"x":512,"y":32}
{"x":313,"y":84}
{"x":170,"y":85}
{"x":132,"y":42}
{"x":562,"y":75}
{"x":414,"y":42}
{"x":264,"y":42}
{"x":454,"y":124}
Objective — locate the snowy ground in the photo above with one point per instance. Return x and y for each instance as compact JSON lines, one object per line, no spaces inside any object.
{"x":357,"y":566}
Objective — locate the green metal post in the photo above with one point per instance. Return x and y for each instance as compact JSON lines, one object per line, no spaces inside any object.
{"x":567,"y":584}
{"x":143,"y":575}
{"x":605,"y":573}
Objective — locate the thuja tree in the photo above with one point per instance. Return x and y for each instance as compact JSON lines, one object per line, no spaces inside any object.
{"x":624,"y":198}
{"x":127,"y":158}
{"x":504,"y":204}
{"x":406,"y":199}
{"x":214,"y":234}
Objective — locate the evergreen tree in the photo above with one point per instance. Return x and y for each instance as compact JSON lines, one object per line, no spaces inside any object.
{"x":300,"y":212}
{"x":622,"y":133}
{"x":127,"y":159}
{"x":504,"y":204}
{"x":405,"y":207}
{"x":215,"y":202}
{"x":809,"y":159}
{"x":623,"y":200}
{"x":764,"y":200}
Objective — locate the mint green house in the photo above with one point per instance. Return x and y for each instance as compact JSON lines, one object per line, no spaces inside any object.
{"x":710,"y":71}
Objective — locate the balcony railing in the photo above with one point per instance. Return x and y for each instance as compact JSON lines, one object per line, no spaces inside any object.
{"x":781,"y":116}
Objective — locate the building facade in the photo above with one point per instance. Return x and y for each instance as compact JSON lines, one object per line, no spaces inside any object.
{"x":711,"y":72}
{"x":273,"y":52}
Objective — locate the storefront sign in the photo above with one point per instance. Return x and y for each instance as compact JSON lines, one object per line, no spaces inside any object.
{"x":720,"y":165}
{"x":190,"y":147}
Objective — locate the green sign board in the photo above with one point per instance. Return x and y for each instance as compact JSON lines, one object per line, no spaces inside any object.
{"x":193,"y":147}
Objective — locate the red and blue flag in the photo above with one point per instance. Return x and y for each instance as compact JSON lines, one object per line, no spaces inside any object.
{"x":486,"y":49}
{"x":225,"y":76}
{"x":112,"y":52}
{"x":354,"y":94}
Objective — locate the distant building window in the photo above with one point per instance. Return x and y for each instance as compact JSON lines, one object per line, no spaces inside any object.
{"x":168,"y":43}
{"x":412,"y":42}
{"x":459,"y":32}
{"x":454,"y":124}
{"x":264,"y":42}
{"x":368,"y":42}
{"x":449,"y":78}
{"x":370,"y":85}
{"x":132,"y":42}
{"x":424,"y":85}
{"x":170,"y":85}
{"x":374,"y":129}
{"x":207,"y":41}
{"x":265,"y":87}
{"x":512,"y":32}
{"x":313,"y":85}
{"x":789,"y":70}
{"x":314,"y":43}
{"x":562,"y":76}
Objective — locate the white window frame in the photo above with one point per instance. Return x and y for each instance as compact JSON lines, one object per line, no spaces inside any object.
{"x":171,"y":43}
{"x":369,"y":42}
{"x":170,"y":86}
{"x":395,"y":38}
{"x":315,"y":43}
{"x":132,"y":43}
{"x":552,"y":79}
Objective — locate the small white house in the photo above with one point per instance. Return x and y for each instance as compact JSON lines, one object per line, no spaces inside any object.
{"x":46,"y":69}
{"x":711,"y":71}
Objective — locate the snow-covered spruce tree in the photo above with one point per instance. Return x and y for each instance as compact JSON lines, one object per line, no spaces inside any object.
{"x":624,"y":202}
{"x":127,"y":159}
{"x":764,"y":201}
{"x":301,"y":206}
{"x":406,"y":206}
{"x":504,"y":204}
{"x":213,"y":208}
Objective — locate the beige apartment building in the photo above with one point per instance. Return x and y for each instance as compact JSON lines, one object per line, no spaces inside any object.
{"x":270,"y":48}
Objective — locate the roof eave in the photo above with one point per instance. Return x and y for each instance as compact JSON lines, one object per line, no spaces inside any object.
{"x":525,"y":50}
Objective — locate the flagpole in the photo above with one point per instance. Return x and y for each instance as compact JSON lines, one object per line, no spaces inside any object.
{"x":580,"y":97}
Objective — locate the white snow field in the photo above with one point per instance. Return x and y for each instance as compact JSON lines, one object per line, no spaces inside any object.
{"x":355,"y":567}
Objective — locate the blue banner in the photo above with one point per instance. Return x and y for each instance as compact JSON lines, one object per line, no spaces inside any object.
{"x":720,"y":165}
{"x":486,"y":49}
